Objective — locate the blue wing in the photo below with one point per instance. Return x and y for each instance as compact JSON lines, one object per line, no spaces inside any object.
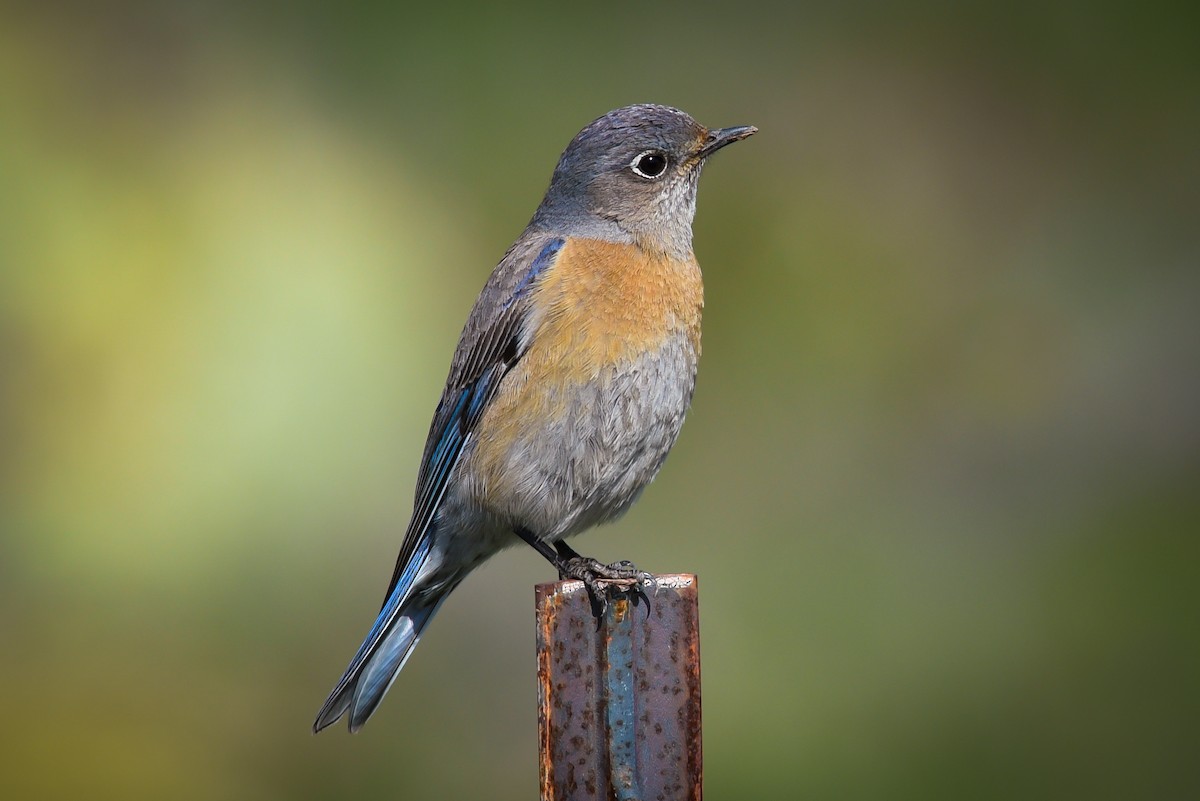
{"x":469,"y":390}
{"x":491,"y":351}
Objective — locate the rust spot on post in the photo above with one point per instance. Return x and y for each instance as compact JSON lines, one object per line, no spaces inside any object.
{"x":619,"y":704}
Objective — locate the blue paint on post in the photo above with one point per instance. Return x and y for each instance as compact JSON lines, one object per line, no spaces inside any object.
{"x":619,"y":700}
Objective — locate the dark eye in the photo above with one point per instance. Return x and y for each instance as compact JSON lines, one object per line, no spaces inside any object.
{"x":650,"y":164}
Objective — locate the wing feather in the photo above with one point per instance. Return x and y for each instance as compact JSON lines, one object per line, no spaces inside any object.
{"x":489,"y":347}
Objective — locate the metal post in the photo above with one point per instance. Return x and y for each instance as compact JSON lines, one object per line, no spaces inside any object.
{"x":619,"y":700}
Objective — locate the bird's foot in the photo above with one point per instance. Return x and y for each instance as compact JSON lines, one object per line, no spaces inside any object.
{"x":620,"y":579}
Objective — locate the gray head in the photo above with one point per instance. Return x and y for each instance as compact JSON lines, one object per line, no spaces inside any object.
{"x":631,"y":176}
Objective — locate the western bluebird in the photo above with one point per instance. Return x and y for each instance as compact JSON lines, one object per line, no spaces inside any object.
{"x":569,"y":384}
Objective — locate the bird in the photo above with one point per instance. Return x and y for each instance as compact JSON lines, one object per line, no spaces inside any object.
{"x":569,"y":384}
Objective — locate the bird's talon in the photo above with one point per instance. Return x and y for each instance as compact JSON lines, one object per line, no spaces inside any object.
{"x":618,"y":578}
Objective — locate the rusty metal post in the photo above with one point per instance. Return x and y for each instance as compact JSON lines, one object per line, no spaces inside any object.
{"x":619,"y":701}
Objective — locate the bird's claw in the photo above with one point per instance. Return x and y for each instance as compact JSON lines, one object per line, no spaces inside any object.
{"x":618,"y":579}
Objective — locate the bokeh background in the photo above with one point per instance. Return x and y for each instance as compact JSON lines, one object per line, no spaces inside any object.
{"x":940,"y":478}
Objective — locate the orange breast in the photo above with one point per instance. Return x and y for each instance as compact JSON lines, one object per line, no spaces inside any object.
{"x":603,"y":302}
{"x":602,"y":311}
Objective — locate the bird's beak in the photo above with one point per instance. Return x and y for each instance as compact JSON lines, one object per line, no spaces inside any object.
{"x":719,"y":137}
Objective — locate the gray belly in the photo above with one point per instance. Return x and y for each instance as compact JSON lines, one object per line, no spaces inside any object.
{"x":589,"y":464}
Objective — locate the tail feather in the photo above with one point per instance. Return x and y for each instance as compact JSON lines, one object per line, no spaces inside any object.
{"x":383,"y":668}
{"x":385,"y":649}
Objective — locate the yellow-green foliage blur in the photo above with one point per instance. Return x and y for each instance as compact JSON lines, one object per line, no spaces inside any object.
{"x":939,"y":481}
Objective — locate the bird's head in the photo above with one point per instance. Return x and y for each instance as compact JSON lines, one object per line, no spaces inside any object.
{"x":634,"y":171}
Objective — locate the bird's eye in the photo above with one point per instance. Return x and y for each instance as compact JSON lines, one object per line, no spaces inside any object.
{"x":651,"y":164}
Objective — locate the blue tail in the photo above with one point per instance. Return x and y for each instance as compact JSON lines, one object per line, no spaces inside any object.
{"x":385,"y":650}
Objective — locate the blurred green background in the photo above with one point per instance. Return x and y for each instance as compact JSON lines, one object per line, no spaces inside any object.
{"x":940,"y":478}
